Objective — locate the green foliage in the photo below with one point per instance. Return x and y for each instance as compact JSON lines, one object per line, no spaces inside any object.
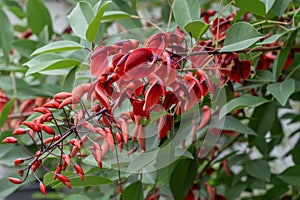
{"x":241,"y":35}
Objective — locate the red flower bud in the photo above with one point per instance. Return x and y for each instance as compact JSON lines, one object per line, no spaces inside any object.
{"x":19,"y":131}
{"x":58,"y":170}
{"x":21,"y":172}
{"x":51,"y":139}
{"x":42,"y":188}
{"x":64,"y":180}
{"x":52,"y":104}
{"x":32,"y":126}
{"x":36,"y":165}
{"x":18,"y":161}
{"x":119,"y":137}
{"x":67,"y":159}
{"x":62,"y":95}
{"x":79,"y":171}
{"x":66,"y":102}
{"x":38,"y":153}
{"x":48,"y":129}
{"x":43,"y":110}
{"x":75,"y":142}
{"x":10,"y":140}
{"x":15,"y":180}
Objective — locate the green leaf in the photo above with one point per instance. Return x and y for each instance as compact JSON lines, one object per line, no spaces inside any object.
{"x":271,"y":39}
{"x":5,"y":112}
{"x":264,"y":76}
{"x":25,"y":47}
{"x":141,"y":161}
{"x":282,"y":91}
{"x":276,"y":191}
{"x":196,"y":29}
{"x":43,"y":37}
{"x":133,"y":192}
{"x":87,"y":182}
{"x":279,"y":7}
{"x":48,"y":62}
{"x":77,"y":196}
{"x":70,"y":80}
{"x":114,"y":15}
{"x":268,"y":4}
{"x":58,"y":46}
{"x":38,"y":17}
{"x":6,"y":34}
{"x":133,"y":4}
{"x":241,"y":102}
{"x":256,"y":7}
{"x":259,"y":169}
{"x":186,"y":11}
{"x":261,"y":122}
{"x":295,"y":153}
{"x":233,"y":124}
{"x":234,"y":191}
{"x":80,"y":17}
{"x":280,"y":61}
{"x":240,"y":36}
{"x":291,"y":175}
{"x":95,"y":23}
{"x":184,"y":175}
{"x":296,"y":17}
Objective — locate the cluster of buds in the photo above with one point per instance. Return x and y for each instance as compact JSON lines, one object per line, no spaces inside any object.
{"x":49,"y":134}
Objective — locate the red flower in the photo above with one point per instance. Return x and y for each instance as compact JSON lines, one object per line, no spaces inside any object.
{"x":240,"y":71}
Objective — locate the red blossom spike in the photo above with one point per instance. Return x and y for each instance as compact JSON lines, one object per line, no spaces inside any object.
{"x":48,"y":129}
{"x":97,"y":153}
{"x":240,"y":71}
{"x":164,"y":125}
{"x":124,"y":128}
{"x":99,"y":59}
{"x":110,"y":138}
{"x":18,"y":161}
{"x":42,"y":188}
{"x":33,"y":126}
{"x":205,"y":118}
{"x":141,"y":138}
{"x":138,"y":57}
{"x":152,"y":96}
{"x":119,"y":137}
{"x":138,"y":107}
{"x":15,"y":180}
{"x":10,"y":140}
{"x":19,"y":131}
{"x":64,"y":180}
{"x":101,"y":95}
{"x":79,"y":171}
